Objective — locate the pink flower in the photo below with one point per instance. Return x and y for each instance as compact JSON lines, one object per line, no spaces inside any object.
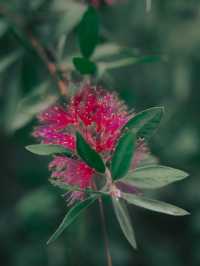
{"x":99,"y":116}
{"x":71,"y":171}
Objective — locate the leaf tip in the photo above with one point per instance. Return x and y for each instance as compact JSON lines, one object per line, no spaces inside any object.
{"x":181,"y":212}
{"x":162,"y":109}
{"x":29,"y":148}
{"x":185,"y":213}
{"x":185,"y":174}
{"x":134,"y":246}
{"x":49,"y":241}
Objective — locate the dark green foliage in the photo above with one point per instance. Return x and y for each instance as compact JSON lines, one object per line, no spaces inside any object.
{"x":124,"y":221}
{"x":48,"y":149}
{"x":123,"y":155}
{"x":90,"y":156}
{"x":84,"y":66}
{"x":154,"y":205}
{"x":88,"y":32}
{"x":73,"y":213}
{"x":146,"y":122}
{"x":153,"y":176}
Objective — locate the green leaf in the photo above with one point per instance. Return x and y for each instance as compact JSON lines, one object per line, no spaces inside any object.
{"x":88,"y":32}
{"x":3,"y":27}
{"x":153,"y":176}
{"x":154,"y":205}
{"x":115,"y":55}
{"x":114,"y":63}
{"x":90,"y":156}
{"x":119,"y":63}
{"x":146,"y":122}
{"x":69,"y":16}
{"x":105,"y":51}
{"x":124,"y":221}
{"x":72,"y":214}
{"x":48,"y":149}
{"x":123,"y":154}
{"x":35,"y":102}
{"x":8,"y":60}
{"x":13,"y":95}
{"x":84,"y":66}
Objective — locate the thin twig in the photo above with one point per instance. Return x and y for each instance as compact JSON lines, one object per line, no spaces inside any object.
{"x":40,"y":50}
{"x":103,"y":222}
{"x":50,"y":66}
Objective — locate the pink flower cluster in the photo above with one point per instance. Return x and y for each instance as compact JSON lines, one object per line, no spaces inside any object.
{"x":99,"y":116}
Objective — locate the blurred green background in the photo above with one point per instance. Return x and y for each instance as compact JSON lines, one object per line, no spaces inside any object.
{"x":30,"y":208}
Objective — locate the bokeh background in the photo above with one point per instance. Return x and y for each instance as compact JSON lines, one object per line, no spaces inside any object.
{"x":30,"y":208}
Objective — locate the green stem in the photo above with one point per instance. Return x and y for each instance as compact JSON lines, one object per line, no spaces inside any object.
{"x":103,"y":221}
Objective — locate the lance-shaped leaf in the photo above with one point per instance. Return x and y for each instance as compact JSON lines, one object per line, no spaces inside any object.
{"x":146,"y":122}
{"x":3,"y":27}
{"x":72,"y":214}
{"x":13,"y":94}
{"x":48,"y":149}
{"x":154,"y":205}
{"x":126,"y":61}
{"x":35,"y":102}
{"x":69,"y":14}
{"x":88,"y":32}
{"x":84,"y":65}
{"x":153,"y":176}
{"x":106,"y":50}
{"x":123,"y":154}
{"x":124,"y":221}
{"x":8,"y":60}
{"x":90,"y":156}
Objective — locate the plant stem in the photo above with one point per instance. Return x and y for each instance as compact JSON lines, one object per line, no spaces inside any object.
{"x":103,"y":221}
{"x":62,"y":87}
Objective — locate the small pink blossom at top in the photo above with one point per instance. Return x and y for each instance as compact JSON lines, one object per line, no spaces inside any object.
{"x":99,"y":116}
